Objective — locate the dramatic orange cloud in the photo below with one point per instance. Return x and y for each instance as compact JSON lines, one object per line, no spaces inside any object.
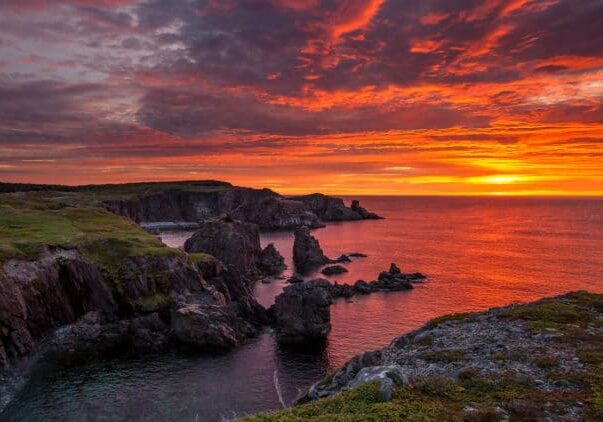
{"x":442,"y":97}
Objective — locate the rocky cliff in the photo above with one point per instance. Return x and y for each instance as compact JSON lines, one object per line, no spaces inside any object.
{"x":263,"y":207}
{"x":195,"y":201}
{"x":107,"y":285}
{"x":330,"y":208}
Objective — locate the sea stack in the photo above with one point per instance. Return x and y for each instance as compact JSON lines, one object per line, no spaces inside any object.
{"x":302,"y":312}
{"x":307,"y":253}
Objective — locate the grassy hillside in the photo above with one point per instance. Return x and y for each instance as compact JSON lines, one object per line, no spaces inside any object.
{"x":30,"y":222}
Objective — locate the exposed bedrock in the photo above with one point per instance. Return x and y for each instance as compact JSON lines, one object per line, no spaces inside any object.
{"x":235,"y":243}
{"x":366,"y":215}
{"x":302,"y":313}
{"x":141,"y":303}
{"x":271,"y":261}
{"x":330,"y":208}
{"x":307,"y":253}
{"x":237,"y":246}
{"x":263,"y":207}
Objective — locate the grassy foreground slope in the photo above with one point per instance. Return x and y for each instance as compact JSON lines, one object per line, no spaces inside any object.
{"x":575,"y":320}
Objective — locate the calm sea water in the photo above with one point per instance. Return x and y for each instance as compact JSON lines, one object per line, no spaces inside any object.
{"x":477,"y":252}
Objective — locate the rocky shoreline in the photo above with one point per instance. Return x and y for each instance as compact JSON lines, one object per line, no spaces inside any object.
{"x":537,"y":361}
{"x":79,"y":283}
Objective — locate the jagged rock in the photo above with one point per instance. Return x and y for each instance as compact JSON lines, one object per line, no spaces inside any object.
{"x":302,"y":312}
{"x":62,"y":289}
{"x":343,"y":258}
{"x":366,"y":215}
{"x":340,"y":290}
{"x":271,"y":261}
{"x":234,"y":243}
{"x":362,"y":287}
{"x":357,"y":255}
{"x":198,"y":201}
{"x":334,"y":269}
{"x":307,"y":253}
{"x":209,"y":266}
{"x":295,"y":278}
{"x":342,"y":377}
{"x":93,"y":336}
{"x":328,"y":208}
{"x":204,"y":327}
{"x":393,"y":269}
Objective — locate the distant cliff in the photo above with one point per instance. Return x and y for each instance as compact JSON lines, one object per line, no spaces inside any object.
{"x":200,"y":200}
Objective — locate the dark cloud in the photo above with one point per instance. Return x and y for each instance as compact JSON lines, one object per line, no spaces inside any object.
{"x":193,"y":68}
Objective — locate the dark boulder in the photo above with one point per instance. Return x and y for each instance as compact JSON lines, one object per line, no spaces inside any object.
{"x":236,"y":244}
{"x":205,"y":327}
{"x":271,"y":261}
{"x":302,"y":312}
{"x":334,"y":269}
{"x":307,"y":253}
{"x":295,"y":278}
{"x":357,"y":255}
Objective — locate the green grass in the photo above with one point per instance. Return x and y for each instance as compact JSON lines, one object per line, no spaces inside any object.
{"x":463,"y":316}
{"x":26,"y":226}
{"x":362,"y":404}
{"x":154,"y":303}
{"x":197,"y":257}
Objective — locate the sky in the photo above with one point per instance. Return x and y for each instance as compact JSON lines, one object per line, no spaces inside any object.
{"x":398,"y":97}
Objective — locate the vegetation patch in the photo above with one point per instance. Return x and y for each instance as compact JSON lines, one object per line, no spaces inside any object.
{"x":444,"y":355}
{"x":29,"y":225}
{"x":153,"y":303}
{"x":573,"y":388}
{"x":464,"y":316}
{"x":197,"y":257}
{"x":545,"y":361}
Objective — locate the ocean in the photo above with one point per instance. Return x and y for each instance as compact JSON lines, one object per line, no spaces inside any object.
{"x":477,"y":253}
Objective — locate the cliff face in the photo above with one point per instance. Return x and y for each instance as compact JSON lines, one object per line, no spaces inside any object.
{"x":330,"y":208}
{"x":62,"y":286}
{"x":263,"y":207}
{"x":195,"y":201}
{"x":97,"y":283}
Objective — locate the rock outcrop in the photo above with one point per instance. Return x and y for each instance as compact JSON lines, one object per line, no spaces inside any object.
{"x":188,"y":203}
{"x":334,"y":269}
{"x":271,"y":261}
{"x":366,"y":215}
{"x":179,"y":204}
{"x":330,"y":208}
{"x":236,"y":244}
{"x":302,"y":313}
{"x":307,"y":253}
{"x":139,"y":304}
{"x":517,"y":354}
